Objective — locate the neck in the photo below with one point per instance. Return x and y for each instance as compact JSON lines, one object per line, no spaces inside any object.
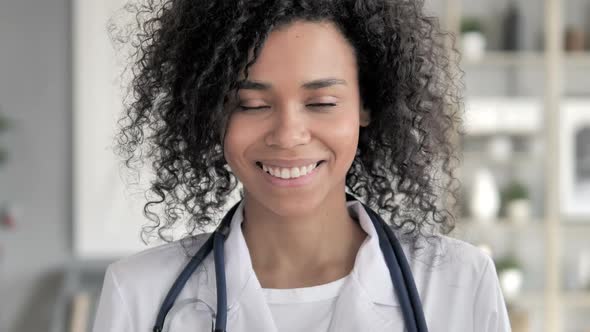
{"x":304,"y":250}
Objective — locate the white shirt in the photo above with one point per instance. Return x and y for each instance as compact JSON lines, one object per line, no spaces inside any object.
{"x":307,"y":309}
{"x":456,"y":282}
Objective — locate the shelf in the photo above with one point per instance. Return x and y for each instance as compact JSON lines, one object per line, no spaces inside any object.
{"x":577,"y":58}
{"x":505,"y":58}
{"x":570,"y":299}
{"x":526,"y":73}
{"x":525,"y":58}
{"x":529,"y":299}
{"x":507,"y":115}
{"x":576,"y":299}
{"x":575,"y":223}
{"x":516,"y":157}
{"x":499,"y":224}
{"x":504,"y":224}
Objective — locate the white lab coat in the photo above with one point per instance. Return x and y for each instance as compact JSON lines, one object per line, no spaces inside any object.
{"x":456,"y":281}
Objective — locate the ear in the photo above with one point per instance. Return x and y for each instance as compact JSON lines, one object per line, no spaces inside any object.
{"x":365,"y":117}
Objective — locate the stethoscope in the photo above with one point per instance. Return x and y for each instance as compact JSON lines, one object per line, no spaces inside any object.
{"x":399,"y":271}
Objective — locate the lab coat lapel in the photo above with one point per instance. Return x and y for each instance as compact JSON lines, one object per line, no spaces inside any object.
{"x":355,"y":310}
{"x":367,"y":301}
{"x":252,"y":310}
{"x":247,"y":306}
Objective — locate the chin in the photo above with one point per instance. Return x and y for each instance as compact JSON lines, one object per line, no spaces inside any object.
{"x":293,"y":206}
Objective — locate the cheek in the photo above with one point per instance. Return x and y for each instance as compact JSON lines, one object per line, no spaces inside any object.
{"x":235,"y":142}
{"x":345,"y":130}
{"x":342,"y":137}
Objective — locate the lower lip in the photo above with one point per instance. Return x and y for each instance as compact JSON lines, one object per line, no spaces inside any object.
{"x":298,"y":182}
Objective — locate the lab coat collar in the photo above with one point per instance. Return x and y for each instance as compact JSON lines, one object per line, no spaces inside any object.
{"x":370,"y":267}
{"x":368,"y":285}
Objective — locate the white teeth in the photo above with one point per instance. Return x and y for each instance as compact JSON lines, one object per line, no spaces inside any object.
{"x":285,"y":173}
{"x":303,"y":171}
{"x":289,"y":173}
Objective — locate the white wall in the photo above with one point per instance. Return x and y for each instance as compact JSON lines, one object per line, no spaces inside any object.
{"x":108,"y":204}
{"x":107,"y":214}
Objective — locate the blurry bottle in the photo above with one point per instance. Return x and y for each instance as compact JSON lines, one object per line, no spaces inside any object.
{"x":485,"y":196}
{"x":512,"y":27}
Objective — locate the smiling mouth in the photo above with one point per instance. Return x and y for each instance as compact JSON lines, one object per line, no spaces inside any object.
{"x":293,"y":172}
{"x":259,"y":164}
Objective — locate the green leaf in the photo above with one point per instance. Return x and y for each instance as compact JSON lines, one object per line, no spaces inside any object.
{"x":507,"y":262}
{"x":515,"y":190}
{"x":470,"y":24}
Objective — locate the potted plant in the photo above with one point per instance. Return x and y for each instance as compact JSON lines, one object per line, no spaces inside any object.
{"x":517,"y":203}
{"x":510,"y":276}
{"x":473,"y":41}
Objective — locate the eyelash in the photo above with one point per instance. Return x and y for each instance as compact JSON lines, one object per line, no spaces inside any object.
{"x":318,"y":105}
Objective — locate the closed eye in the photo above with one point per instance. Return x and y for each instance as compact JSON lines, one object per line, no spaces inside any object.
{"x":253,"y":108}
{"x":321,"y":105}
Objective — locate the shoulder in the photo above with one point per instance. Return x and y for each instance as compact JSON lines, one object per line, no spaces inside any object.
{"x":451,"y":266}
{"x":467,"y":275}
{"x":135,"y":286}
{"x":447,"y":253}
{"x":465,"y":254}
{"x":155,"y":263}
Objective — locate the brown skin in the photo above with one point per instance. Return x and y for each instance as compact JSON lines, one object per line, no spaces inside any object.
{"x":303,"y":236}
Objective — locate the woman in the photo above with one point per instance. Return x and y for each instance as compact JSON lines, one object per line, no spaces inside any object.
{"x":298,"y":102}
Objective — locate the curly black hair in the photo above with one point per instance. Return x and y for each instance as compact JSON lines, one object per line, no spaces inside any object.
{"x":187,"y":58}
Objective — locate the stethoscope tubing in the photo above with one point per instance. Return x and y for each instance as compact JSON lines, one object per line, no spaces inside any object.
{"x":396,"y":277}
{"x":414,"y":296}
{"x":221,"y":315}
{"x":190,"y":268}
{"x":180,"y":282}
{"x":408,"y":295}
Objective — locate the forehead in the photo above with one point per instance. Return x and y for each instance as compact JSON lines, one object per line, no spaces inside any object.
{"x":302,"y":51}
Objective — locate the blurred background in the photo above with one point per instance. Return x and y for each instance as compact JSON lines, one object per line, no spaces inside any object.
{"x":65,"y":212}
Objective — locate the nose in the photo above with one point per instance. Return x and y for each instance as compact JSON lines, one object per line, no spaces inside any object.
{"x":289,"y":128}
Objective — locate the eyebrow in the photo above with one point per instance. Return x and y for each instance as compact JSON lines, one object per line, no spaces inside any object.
{"x":311,"y":85}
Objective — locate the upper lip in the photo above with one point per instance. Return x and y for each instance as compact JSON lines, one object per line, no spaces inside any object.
{"x":289,"y":162}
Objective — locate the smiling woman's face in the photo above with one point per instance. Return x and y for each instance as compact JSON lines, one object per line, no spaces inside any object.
{"x":299,"y":106}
